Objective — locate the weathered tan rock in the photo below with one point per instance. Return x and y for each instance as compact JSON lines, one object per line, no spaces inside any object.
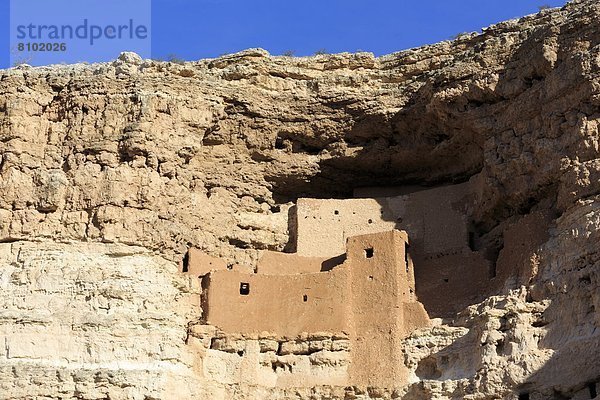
{"x":110,"y":172}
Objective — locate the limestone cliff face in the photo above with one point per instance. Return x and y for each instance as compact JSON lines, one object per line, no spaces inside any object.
{"x":109,"y":172}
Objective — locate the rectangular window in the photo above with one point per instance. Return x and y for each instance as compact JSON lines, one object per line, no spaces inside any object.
{"x":244,"y":288}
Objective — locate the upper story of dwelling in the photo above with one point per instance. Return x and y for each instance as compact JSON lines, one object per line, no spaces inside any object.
{"x":436,"y":219}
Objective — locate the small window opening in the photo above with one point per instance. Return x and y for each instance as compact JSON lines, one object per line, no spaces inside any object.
{"x":446,"y":280}
{"x":186,"y":262}
{"x":240,"y":353}
{"x":370,"y":277}
{"x":244,"y":288}
{"x":305,"y":298}
{"x":593,"y":390}
{"x":369,"y":252}
{"x":336,"y":212}
{"x":523,"y":396}
{"x":370,"y":221}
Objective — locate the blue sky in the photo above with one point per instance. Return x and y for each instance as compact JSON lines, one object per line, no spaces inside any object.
{"x":194,"y":29}
{"x":79,"y":17}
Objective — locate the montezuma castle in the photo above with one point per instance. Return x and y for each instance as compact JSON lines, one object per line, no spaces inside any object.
{"x":366,"y":273}
{"x":418,"y":225}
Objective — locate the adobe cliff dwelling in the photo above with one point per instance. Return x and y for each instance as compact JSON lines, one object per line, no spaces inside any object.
{"x":358,"y":312}
{"x":352,"y":280}
{"x":306,"y":187}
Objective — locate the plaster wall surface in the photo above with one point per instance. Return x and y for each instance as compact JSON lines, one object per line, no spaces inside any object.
{"x":449,"y":274}
{"x":198,"y":263}
{"x":380,"y":286}
{"x":517,"y":260}
{"x":285,"y":305}
{"x":414,"y":316}
{"x":447,"y":284}
{"x":435,"y":219}
{"x":277,"y":263}
{"x":323,"y":226}
{"x":245,"y":268}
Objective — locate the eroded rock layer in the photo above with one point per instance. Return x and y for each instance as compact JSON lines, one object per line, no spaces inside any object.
{"x":109,"y":172}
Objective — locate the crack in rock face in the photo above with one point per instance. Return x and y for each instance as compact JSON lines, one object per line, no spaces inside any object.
{"x":110,"y":173}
